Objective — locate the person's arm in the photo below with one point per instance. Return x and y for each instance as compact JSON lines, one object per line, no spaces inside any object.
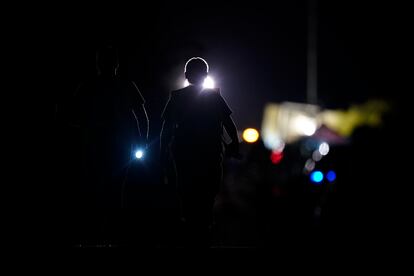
{"x":166,"y":136}
{"x":232,"y":149}
{"x":142,"y":122}
{"x":231,"y":130}
{"x":166,"y":130}
{"x":165,"y":139}
{"x":140,"y":113}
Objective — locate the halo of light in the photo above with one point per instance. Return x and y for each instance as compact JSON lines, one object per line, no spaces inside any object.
{"x":250,"y":135}
{"x":200,"y":58}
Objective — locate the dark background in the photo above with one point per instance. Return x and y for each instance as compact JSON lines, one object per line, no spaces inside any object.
{"x":257,"y":51}
{"x":257,"y":54}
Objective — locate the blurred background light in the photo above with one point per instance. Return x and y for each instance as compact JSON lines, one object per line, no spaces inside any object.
{"x":316,"y":177}
{"x":331,"y":176}
{"x":250,"y":135}
{"x":276,"y":157}
{"x":304,"y":125}
{"x":139,"y":154}
{"x":316,"y":156}
{"x":273,"y":142}
{"x":324,"y":148}
{"x":309,"y":165}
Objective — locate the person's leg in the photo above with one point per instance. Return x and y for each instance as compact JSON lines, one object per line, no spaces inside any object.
{"x":201,"y":185}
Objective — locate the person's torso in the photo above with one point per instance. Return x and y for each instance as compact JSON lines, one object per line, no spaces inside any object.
{"x":105,"y":103}
{"x":106,"y":116}
{"x":198,"y":126}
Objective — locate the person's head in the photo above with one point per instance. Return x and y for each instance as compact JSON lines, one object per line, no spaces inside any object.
{"x":196,"y":70}
{"x":107,"y":60}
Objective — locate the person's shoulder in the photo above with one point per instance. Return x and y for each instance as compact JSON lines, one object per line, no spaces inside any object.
{"x":212,"y":91}
{"x":179,"y":92}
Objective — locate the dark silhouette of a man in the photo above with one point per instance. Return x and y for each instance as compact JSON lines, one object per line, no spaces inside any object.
{"x":112,"y":123}
{"x":192,"y":134}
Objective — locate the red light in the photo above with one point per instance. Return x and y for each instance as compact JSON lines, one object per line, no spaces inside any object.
{"x":276,"y":157}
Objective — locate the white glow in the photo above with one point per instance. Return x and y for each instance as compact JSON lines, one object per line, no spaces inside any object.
{"x":304,"y":125}
{"x":273,"y":142}
{"x":316,"y":156}
{"x":208,"y":82}
{"x":324,"y":148}
{"x":139,"y":154}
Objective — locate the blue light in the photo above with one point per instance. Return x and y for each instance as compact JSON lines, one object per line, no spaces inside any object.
{"x":139,"y":154}
{"x":316,"y":177}
{"x":331,"y":176}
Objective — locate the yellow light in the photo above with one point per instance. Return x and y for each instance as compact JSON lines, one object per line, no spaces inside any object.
{"x":250,"y":135}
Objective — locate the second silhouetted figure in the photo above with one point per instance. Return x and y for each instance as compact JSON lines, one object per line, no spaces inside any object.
{"x":110,"y":118}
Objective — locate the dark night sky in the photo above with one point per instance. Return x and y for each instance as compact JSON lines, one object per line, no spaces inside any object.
{"x":256,"y":51}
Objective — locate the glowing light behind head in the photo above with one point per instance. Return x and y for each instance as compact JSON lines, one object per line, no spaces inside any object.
{"x":208,"y":83}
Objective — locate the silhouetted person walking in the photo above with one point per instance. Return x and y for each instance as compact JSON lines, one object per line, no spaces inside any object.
{"x":112,"y":123}
{"x":192,"y":135}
